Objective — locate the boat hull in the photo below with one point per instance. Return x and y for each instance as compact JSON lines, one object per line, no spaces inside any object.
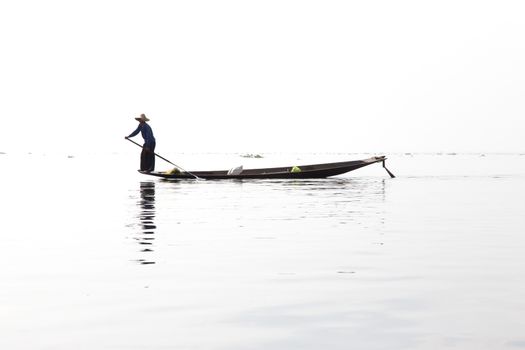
{"x":312,"y":171}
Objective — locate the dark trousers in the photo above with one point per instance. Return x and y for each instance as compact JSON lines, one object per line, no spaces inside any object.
{"x":147,"y":157}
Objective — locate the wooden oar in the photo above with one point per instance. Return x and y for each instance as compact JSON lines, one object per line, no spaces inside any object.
{"x":388,"y":171}
{"x":161,"y":157}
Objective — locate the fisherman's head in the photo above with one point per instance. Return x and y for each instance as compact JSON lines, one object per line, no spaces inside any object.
{"x":142,"y":118}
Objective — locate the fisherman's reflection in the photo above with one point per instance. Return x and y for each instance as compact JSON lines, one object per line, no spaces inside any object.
{"x":146,"y":217}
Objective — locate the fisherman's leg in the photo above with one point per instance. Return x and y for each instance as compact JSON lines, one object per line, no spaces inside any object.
{"x":152,"y":157}
{"x":151,"y":161}
{"x":148,"y":161}
{"x":144,"y":159}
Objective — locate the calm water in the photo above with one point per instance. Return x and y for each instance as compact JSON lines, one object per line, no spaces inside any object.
{"x":97,"y":256}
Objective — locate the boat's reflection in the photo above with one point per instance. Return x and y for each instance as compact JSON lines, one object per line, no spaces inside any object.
{"x":146,"y":235}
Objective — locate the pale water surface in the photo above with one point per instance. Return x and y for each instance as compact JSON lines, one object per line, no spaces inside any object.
{"x":97,"y":256}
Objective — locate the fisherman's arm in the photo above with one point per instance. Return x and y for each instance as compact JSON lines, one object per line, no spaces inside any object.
{"x":134,"y":133}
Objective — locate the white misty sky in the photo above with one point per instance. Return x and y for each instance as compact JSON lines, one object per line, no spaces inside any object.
{"x":346,"y":76}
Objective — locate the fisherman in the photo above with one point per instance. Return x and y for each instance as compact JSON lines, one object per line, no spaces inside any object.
{"x":147,"y":156}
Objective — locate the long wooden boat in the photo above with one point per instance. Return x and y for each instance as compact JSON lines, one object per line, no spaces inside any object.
{"x":292,"y":172}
